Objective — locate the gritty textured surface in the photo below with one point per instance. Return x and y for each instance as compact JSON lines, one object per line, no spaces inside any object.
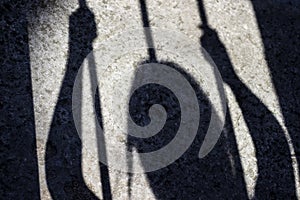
{"x":255,"y":47}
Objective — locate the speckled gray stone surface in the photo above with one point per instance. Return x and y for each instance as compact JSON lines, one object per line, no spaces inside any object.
{"x":255,"y":46}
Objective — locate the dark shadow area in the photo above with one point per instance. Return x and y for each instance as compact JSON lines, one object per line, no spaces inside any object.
{"x":279,"y":24}
{"x":19,"y":177}
{"x":63,"y":149}
{"x":217,"y":176}
{"x":275,"y":172}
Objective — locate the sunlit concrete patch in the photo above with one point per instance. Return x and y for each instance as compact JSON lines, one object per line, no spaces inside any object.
{"x":48,"y":40}
{"x":245,"y":144}
{"x":126,"y":79}
{"x":240,"y":33}
{"x":236,"y":25}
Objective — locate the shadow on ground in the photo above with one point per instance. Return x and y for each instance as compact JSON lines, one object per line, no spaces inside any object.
{"x":275,"y":172}
{"x":279,"y":25}
{"x":63,"y":148}
{"x":18,"y":156}
{"x":219,"y":175}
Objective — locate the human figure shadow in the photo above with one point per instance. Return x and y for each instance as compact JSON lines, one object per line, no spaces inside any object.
{"x":19,"y":178}
{"x":217,"y":176}
{"x":279,"y":26}
{"x":63,"y":148}
{"x":275,"y":173}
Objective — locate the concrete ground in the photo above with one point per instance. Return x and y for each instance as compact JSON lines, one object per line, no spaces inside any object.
{"x":256,"y":155}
